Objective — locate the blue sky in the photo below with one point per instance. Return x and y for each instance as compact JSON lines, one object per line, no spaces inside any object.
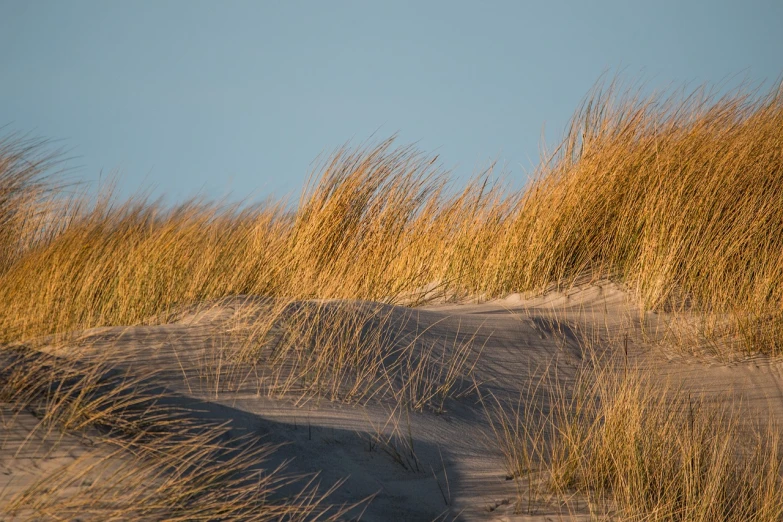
{"x":236,"y":97}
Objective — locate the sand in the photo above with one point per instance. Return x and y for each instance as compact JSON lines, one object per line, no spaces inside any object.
{"x":458,"y":471}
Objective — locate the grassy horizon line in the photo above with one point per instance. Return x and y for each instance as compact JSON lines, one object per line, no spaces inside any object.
{"x":679,"y":197}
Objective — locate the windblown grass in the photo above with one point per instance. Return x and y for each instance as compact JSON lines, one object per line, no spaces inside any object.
{"x":352,"y":352}
{"x":359,"y":353}
{"x":679,"y":197}
{"x":157,"y":462}
{"x":26,"y":190}
{"x":173,"y":478}
{"x":634,"y":449}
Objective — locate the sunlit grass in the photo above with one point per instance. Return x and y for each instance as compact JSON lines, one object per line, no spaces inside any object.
{"x":634,"y":449}
{"x":679,"y":198}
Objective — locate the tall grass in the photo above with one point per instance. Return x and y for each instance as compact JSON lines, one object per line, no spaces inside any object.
{"x":25,"y":188}
{"x":153,"y":459}
{"x":680,"y":197}
{"x":362,"y":353}
{"x":634,"y":449}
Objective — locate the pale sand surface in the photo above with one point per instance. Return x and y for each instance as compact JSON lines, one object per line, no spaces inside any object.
{"x":518,"y":338}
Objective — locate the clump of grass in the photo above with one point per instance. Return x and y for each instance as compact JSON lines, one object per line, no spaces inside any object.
{"x":76,"y":395}
{"x":27,"y":213}
{"x":678,"y":197}
{"x":350,"y":352}
{"x":636,"y":450}
{"x":158,"y":463}
{"x":178,"y":477}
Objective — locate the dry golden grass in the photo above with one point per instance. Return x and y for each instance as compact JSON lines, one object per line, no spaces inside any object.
{"x":175,"y":478}
{"x":158,"y":463}
{"x":634,"y":449}
{"x":679,"y":197}
{"x":26,"y":190}
{"x":352,"y":352}
{"x":363,"y":352}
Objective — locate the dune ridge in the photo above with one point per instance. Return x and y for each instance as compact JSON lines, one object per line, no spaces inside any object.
{"x":603,"y":343}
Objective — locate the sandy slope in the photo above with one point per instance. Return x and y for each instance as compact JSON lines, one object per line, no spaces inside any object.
{"x":457,"y":470}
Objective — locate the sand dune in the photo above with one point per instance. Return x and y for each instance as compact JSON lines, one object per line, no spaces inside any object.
{"x":358,"y":355}
{"x":412,"y":465}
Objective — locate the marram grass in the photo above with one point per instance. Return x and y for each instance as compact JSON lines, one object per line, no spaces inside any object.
{"x":679,"y":197}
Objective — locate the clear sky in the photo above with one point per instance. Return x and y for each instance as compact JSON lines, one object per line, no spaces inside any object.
{"x":216,"y":97}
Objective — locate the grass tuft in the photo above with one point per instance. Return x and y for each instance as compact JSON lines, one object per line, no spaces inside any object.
{"x":634,"y":449}
{"x":678,"y":197}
